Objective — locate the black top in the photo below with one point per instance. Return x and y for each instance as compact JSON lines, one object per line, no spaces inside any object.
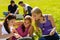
{"x":12,"y":9}
{"x":29,"y":10}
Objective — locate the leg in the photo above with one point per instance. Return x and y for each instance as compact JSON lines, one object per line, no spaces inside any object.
{"x":5,"y":13}
{"x":54,"y":37}
{"x":42,"y":38}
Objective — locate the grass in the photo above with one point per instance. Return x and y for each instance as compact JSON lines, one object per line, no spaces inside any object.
{"x":47,"y":7}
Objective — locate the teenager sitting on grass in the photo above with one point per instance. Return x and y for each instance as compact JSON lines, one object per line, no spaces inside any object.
{"x":26,"y":8}
{"x":13,"y":8}
{"x":46,"y":24}
{"x":26,"y":29}
{"x":6,"y":29}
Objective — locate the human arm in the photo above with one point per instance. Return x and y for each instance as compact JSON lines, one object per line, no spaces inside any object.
{"x":31,"y":30}
{"x":53,"y":25}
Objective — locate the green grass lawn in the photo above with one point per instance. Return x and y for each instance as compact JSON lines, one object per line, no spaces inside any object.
{"x":47,"y":7}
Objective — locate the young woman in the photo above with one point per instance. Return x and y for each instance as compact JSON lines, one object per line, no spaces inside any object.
{"x":6,"y":29}
{"x":26,"y":29}
{"x":46,"y":24}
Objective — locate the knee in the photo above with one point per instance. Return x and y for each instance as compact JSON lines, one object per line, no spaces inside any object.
{"x":42,"y":38}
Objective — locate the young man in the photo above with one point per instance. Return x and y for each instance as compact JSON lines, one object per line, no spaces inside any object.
{"x":13,"y":8}
{"x":26,"y":8}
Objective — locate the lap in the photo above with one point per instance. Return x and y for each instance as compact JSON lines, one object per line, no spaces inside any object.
{"x":54,"y":37}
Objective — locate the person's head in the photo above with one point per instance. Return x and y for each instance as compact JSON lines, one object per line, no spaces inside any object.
{"x":21,"y":3}
{"x":12,"y":3}
{"x":27,"y":21}
{"x":10,"y":20}
{"x":36,"y":13}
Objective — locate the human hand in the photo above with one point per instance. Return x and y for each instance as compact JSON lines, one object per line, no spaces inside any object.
{"x":51,"y":33}
{"x":16,"y":35}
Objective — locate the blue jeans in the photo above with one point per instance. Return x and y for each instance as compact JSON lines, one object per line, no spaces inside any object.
{"x":54,"y":37}
{"x":5,"y":13}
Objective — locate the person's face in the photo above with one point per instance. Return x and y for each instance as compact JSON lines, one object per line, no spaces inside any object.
{"x":27,"y":23}
{"x":22,"y":4}
{"x":36,"y":16}
{"x":13,"y":4}
{"x":11,"y":22}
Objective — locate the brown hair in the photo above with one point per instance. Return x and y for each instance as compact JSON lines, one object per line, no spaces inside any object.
{"x":9,"y":17}
{"x":11,"y":2}
{"x":28,"y":18}
{"x":36,"y":10}
{"x":20,"y":2}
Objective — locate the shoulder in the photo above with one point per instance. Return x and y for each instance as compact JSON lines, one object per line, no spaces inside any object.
{"x":26,"y":5}
{"x":47,"y":15}
{"x":50,"y":17}
{"x":16,"y":5}
{"x":9,"y":5}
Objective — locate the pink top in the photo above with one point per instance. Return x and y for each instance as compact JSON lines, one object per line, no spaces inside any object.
{"x":21,"y":33}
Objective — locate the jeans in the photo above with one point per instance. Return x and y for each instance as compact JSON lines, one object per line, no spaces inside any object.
{"x":54,"y":37}
{"x":5,"y":13}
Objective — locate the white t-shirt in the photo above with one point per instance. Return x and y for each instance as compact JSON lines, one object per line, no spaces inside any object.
{"x":26,"y":7}
{"x":4,"y":30}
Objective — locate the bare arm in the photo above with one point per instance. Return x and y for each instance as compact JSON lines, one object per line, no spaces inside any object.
{"x":5,"y":35}
{"x":17,"y":10}
{"x":53,"y":25}
{"x":31,"y":30}
{"x":16,"y":34}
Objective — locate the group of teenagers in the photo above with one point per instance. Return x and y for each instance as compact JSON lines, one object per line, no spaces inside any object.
{"x":45,"y":23}
{"x":14,"y":9}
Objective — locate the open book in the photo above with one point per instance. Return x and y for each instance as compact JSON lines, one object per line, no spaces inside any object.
{"x":25,"y":38}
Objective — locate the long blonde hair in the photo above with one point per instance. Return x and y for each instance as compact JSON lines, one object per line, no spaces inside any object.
{"x":37,"y":11}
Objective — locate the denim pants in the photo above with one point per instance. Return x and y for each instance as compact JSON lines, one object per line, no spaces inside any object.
{"x":54,"y":37}
{"x":5,"y":13}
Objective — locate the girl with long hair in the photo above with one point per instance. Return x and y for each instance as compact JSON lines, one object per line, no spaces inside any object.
{"x":25,"y":29}
{"x":46,"y":24}
{"x":6,"y":29}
